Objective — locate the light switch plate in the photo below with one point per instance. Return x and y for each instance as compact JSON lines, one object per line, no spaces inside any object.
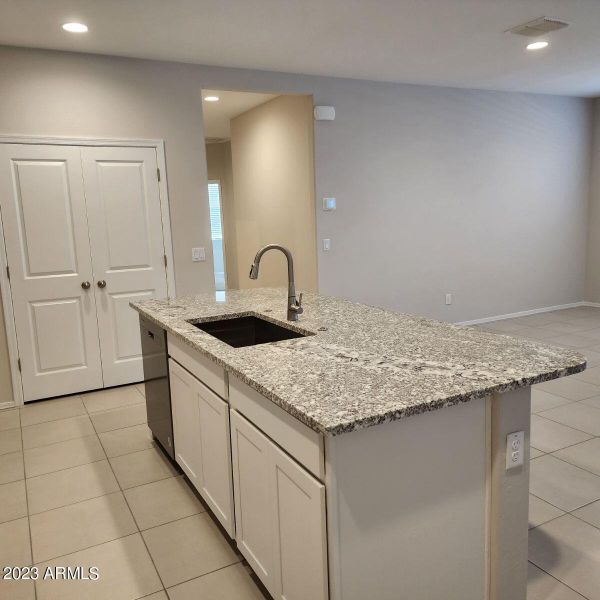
{"x":198,"y":254}
{"x":326,"y":245}
{"x":515,"y":449}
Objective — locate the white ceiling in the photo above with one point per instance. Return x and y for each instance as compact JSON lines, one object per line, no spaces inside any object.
{"x":439,"y":42}
{"x":217,"y":115}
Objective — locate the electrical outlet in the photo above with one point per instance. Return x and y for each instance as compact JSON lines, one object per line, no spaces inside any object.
{"x":515,"y":449}
{"x":329,"y":204}
{"x":448,"y":299}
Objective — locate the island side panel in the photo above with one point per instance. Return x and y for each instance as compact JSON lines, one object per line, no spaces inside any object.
{"x":509,"y":509}
{"x":406,"y":506}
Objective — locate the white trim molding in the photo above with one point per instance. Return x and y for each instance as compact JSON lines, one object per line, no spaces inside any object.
{"x":5,"y":290}
{"x":526,"y":313}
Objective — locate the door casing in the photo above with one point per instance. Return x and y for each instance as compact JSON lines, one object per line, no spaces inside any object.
{"x":5,"y":288}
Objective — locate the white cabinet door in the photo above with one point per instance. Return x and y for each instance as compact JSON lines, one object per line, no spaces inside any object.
{"x":280,"y":516}
{"x":186,"y":422}
{"x":252,"y":479}
{"x":300,"y":531}
{"x":216,"y":486}
{"x":125,"y":224}
{"x":44,"y":217}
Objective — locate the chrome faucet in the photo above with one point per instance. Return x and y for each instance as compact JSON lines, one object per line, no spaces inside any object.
{"x":294,"y":305}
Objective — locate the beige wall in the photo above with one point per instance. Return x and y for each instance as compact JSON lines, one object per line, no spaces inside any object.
{"x":272,"y":151}
{"x":218,"y":164}
{"x":5,"y":378}
{"x":592,"y":288}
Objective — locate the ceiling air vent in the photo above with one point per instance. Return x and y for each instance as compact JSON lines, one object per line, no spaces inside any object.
{"x":538,"y":27}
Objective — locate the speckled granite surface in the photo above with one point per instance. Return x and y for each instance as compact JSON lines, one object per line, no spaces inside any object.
{"x":364,"y":365}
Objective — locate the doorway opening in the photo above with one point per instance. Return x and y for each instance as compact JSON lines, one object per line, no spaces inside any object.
{"x":260,"y":165}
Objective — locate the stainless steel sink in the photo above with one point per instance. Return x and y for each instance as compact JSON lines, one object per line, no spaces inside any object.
{"x":247,"y":331}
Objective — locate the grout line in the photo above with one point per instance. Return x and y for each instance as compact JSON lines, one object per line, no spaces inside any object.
{"x":27,"y":505}
{"x":241,"y":561}
{"x":556,"y":579}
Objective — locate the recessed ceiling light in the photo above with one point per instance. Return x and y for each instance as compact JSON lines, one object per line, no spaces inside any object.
{"x":537,"y":45}
{"x":211,"y":98}
{"x":75,"y":27}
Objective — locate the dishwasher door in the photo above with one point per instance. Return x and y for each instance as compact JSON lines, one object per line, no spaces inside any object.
{"x":156,"y":379}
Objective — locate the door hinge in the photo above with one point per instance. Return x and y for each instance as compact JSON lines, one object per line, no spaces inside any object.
{"x":165,"y":260}
{"x":158,"y":174}
{"x":19,"y":364}
{"x":8,"y":272}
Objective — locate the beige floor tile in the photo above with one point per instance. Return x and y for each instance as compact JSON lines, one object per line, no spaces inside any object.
{"x":10,"y":441}
{"x":541,"y":512}
{"x":77,"y":526}
{"x":541,"y":586}
{"x":53,"y":490}
{"x":585,"y":455}
{"x":51,"y":410}
{"x":561,"y":484}
{"x":573,"y":340}
{"x":548,"y":436}
{"x":62,"y":455}
{"x":534,"y":452}
{"x":506,"y":326}
{"x":141,"y":467}
{"x":119,"y":418}
{"x":17,"y":590}
{"x":13,"y":502}
{"x":56,"y":431}
{"x":156,"y":596}
{"x":590,"y":375}
{"x":562,"y":327}
{"x":231,"y":583}
{"x":188,"y":548}
{"x":570,"y":388}
{"x":112,"y":398}
{"x":162,"y":501}
{"x":126,"y":572}
{"x":577,"y":415}
{"x":16,"y":553}
{"x":592,"y":357}
{"x":9,"y":419}
{"x":124,"y":441}
{"x":541,"y":400}
{"x":11,"y":467}
{"x":594,"y":401}
{"x":590,"y":513}
{"x":569,"y":550}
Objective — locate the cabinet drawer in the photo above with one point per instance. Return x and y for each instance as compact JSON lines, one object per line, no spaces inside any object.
{"x":300,"y":441}
{"x":208,"y":372}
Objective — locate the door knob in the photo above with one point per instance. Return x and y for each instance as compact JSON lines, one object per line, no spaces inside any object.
{"x":86,"y":285}
{"x":102,"y":284}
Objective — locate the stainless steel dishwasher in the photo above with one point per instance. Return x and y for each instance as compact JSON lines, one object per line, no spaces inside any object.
{"x":156,"y":378}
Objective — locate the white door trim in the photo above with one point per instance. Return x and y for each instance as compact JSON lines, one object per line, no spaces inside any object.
{"x":5,"y":289}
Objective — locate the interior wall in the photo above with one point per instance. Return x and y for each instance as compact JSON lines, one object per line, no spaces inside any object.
{"x":593,"y":255}
{"x":272,"y":151}
{"x":482,"y":194}
{"x":218,"y":164}
{"x":6,"y":394}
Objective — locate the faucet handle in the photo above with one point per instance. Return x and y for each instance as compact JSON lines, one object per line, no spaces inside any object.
{"x":299,"y":301}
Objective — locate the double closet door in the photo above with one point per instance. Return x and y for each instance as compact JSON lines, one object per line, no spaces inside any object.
{"x":84,"y":237}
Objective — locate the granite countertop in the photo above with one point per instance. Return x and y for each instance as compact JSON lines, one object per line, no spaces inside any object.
{"x":364,"y":365}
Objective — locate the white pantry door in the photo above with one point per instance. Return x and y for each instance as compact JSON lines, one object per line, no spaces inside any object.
{"x":128,"y":253}
{"x":46,"y":234}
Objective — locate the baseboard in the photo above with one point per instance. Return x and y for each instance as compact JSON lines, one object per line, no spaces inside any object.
{"x":526,"y":313}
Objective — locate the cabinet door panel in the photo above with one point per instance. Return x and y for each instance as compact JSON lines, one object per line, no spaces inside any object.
{"x":186,"y":423}
{"x":252,"y":476}
{"x":217,"y":487}
{"x":300,"y":533}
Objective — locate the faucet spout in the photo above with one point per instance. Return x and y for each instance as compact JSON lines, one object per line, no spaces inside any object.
{"x":294,"y":305}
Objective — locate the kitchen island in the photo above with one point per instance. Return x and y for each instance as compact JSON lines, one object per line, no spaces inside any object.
{"x":365,"y":459}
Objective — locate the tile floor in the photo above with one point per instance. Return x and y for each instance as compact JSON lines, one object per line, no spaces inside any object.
{"x":564,"y":507}
{"x":81,"y":483}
